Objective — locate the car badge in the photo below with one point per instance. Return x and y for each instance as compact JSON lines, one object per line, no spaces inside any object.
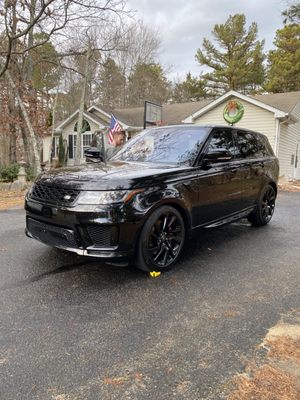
{"x":67,"y":197}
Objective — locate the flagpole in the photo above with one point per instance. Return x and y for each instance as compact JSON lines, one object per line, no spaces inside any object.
{"x":103,"y":147}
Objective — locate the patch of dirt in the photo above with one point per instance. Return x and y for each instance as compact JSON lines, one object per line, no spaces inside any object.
{"x":266,"y":383}
{"x":284,"y":347}
{"x":231,"y":314}
{"x":11,"y":199}
{"x":277,"y":375}
{"x":115,"y":381}
{"x":279,"y":330}
{"x":293,"y":186}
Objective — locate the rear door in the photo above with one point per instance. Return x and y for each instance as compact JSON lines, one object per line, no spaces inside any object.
{"x":251,"y":156}
{"x":220,"y":184}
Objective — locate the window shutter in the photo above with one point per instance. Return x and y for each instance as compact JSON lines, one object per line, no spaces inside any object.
{"x":53,"y":148}
{"x":71,"y":156}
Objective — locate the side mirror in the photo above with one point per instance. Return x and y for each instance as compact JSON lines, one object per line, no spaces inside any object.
{"x":217,"y":156}
{"x":93,"y":153}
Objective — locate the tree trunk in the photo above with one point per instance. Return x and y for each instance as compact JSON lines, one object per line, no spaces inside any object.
{"x":12,"y":98}
{"x":52,"y":127}
{"x":27,"y":149}
{"x":30,"y":41}
{"x":12,"y":127}
{"x":32,"y":136}
{"x":12,"y":148}
{"x":81,"y":106}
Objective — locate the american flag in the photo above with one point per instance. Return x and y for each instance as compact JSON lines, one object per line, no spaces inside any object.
{"x":113,"y":128}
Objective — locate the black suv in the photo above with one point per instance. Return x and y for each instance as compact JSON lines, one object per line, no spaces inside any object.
{"x":161,"y":185}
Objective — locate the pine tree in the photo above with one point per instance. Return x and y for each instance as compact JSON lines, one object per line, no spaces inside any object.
{"x":112,"y":84}
{"x":284,"y":61}
{"x":292,"y":14}
{"x":237,"y":59}
{"x":191,"y":89}
{"x":147,"y":82}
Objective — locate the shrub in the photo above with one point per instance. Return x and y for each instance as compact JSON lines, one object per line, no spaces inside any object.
{"x":10,"y":173}
{"x":62,"y":152}
{"x":30,"y":175}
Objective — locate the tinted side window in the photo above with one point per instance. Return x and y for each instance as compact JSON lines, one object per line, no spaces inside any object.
{"x":248,"y":146}
{"x":268,"y":151}
{"x":222,"y":139}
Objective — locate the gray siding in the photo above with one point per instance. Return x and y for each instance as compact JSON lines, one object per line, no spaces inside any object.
{"x":289,"y":137}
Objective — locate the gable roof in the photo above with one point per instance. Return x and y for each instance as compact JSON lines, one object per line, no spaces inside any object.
{"x":259,"y":101}
{"x":86,"y":114}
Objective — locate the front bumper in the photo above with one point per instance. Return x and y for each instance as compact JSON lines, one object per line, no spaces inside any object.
{"x":93,"y":252}
{"x":109,"y":232}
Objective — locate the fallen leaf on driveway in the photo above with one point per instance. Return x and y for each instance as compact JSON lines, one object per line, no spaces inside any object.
{"x":115,"y":381}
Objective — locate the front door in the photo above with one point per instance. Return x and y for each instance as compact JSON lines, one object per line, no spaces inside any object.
{"x":220,"y":186}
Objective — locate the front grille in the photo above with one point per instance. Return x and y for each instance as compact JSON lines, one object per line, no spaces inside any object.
{"x":53,"y":194}
{"x":103,"y":235}
{"x":51,"y":235}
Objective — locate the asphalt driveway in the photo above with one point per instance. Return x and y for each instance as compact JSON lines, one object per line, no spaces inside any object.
{"x":74,"y":328}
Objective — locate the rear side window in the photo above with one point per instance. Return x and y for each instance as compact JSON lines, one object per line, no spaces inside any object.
{"x":250,"y":145}
{"x":222,"y":139}
{"x":268,"y":149}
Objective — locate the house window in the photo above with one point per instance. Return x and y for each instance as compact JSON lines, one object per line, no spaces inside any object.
{"x":86,"y":139}
{"x":85,"y":126}
{"x":86,"y":142}
{"x":55,"y":145}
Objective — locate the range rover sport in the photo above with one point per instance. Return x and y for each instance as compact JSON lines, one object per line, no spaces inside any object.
{"x":163,"y":184}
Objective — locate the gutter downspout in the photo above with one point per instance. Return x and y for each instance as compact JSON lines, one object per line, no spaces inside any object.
{"x":277,"y":137}
{"x":285,"y":118}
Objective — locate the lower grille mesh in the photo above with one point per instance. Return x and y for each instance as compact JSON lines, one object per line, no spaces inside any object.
{"x":103,"y":235}
{"x":51,"y":235}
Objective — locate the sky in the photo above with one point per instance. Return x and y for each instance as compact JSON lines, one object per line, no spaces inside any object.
{"x":183,"y":24}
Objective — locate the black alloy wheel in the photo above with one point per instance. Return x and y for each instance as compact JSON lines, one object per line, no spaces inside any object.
{"x":161,"y":240}
{"x":265,"y":208}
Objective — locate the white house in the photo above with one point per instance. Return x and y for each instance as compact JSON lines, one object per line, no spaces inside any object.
{"x":275,"y":115}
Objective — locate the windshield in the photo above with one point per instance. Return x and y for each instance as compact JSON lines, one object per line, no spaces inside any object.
{"x":178,"y":145}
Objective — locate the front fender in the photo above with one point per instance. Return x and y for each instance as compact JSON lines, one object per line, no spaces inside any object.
{"x":153,"y":198}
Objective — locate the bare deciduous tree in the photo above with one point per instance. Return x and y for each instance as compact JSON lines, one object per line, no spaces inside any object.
{"x":19,"y":19}
{"x":56,"y":20}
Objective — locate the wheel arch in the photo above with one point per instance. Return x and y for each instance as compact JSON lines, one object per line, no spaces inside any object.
{"x":274,"y":186}
{"x":166,"y":202}
{"x":138,"y":259}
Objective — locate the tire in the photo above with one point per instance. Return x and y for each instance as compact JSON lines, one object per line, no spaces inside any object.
{"x":161,"y":240}
{"x":265,"y":208}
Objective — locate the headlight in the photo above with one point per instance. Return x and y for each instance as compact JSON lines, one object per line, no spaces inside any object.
{"x":107,"y":197}
{"x":29,"y":191}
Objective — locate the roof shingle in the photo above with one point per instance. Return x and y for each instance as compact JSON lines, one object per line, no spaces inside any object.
{"x":282,"y":101}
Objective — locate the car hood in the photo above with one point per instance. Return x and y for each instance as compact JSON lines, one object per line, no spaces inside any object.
{"x":111,"y":176}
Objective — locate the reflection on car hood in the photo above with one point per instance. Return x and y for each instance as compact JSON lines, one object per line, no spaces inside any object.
{"x":114,"y":175}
